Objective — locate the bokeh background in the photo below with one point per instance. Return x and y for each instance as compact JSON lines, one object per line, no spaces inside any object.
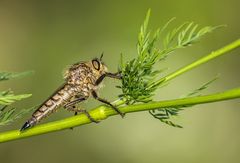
{"x":46,"y":36}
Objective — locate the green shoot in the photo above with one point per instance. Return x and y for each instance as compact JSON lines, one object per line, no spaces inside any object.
{"x":139,"y":79}
{"x":10,"y":114}
{"x":165,"y":114}
{"x":7,"y":98}
{"x":11,"y":75}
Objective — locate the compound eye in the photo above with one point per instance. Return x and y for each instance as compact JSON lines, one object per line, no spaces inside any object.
{"x":96,"y":64}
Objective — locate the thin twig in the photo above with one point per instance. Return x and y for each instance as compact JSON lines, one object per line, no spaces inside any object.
{"x":103,"y":112}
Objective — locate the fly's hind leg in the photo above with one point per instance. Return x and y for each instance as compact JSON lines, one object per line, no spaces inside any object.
{"x":76,"y":110}
{"x":88,"y":115}
{"x":71,"y":106}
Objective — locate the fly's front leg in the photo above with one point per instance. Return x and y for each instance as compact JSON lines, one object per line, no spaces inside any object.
{"x":108,"y":74}
{"x":71,"y":107}
{"x":94,"y":94}
{"x":116,"y":75}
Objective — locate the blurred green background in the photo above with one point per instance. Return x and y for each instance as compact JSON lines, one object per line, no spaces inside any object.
{"x":46,"y":36}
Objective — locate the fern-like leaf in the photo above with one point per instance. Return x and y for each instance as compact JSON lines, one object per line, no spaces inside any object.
{"x":11,"y":75}
{"x":139,"y":79}
{"x":166,"y":114}
{"x":8,"y":116}
{"x":9,"y":98}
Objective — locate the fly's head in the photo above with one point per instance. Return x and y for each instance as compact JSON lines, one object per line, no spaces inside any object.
{"x":78,"y":72}
{"x":98,"y":67}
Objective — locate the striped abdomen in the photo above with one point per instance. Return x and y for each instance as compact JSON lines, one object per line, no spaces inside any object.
{"x":59,"y":98}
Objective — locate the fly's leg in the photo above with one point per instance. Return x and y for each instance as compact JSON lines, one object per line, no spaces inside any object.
{"x":71,"y":107}
{"x":73,"y":103}
{"x":94,"y":94}
{"x":99,"y":80}
{"x":88,"y":115}
{"x":76,"y":110}
{"x":114,"y":75}
{"x":108,"y":74}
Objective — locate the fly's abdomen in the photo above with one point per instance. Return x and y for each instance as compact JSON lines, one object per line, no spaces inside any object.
{"x":60,"y":98}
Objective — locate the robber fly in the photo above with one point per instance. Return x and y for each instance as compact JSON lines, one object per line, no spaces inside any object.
{"x":81,"y":81}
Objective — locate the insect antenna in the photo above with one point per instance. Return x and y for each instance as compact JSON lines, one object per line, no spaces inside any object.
{"x":101,"y":56}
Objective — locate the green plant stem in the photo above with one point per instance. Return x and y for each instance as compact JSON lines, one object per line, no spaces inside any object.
{"x":103,"y":112}
{"x":201,"y":61}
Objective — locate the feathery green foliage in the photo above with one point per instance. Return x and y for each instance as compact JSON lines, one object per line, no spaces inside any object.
{"x":9,"y":114}
{"x":11,"y":75}
{"x":166,"y":114}
{"x":139,"y":79}
{"x":7,"y":97}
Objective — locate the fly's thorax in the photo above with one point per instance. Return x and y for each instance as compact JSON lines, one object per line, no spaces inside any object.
{"x":85,"y":86}
{"x":85,"y":74}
